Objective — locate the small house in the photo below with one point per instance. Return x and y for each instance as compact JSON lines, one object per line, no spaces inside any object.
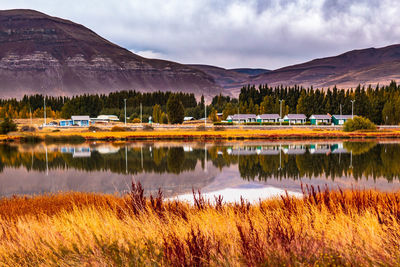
{"x":105,"y":118}
{"x":82,"y":121}
{"x":242,"y":118}
{"x":295,"y":118}
{"x":320,"y":119}
{"x":268,"y":118}
{"x":340,"y":119}
{"x":188,"y":119}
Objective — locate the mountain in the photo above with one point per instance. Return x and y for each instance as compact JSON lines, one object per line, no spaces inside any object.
{"x":49,"y":55}
{"x":229,"y":78}
{"x":366,"y":66}
{"x":249,"y":71}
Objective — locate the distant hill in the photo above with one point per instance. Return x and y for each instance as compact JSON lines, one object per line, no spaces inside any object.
{"x":251,"y":72}
{"x":229,"y":78}
{"x":48,"y":55}
{"x":366,"y":66}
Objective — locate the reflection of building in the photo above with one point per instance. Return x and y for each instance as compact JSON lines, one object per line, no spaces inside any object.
{"x":77,"y":152}
{"x":338,"y":149}
{"x":294,"y":149}
{"x":320,"y":149}
{"x":252,"y":150}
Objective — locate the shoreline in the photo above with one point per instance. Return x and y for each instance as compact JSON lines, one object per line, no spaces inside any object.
{"x":204,"y":135}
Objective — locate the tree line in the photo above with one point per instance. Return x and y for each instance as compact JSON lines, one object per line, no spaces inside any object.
{"x":380,"y":104}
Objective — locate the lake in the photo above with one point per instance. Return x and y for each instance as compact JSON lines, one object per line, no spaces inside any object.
{"x":252,"y":169}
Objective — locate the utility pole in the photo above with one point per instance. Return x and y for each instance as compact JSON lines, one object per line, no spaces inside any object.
{"x":280,"y":108}
{"x":205,"y":115}
{"x":30,"y":113}
{"x":44,"y":101}
{"x":125,"y":110}
{"x":141,"y":114}
{"x":352,"y":107}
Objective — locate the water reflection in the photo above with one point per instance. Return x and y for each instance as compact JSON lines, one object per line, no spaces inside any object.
{"x":177,"y":167}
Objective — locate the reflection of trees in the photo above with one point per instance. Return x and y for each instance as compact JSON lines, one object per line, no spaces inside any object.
{"x":369,"y":160}
{"x":154,"y":160}
{"x":358,"y":147}
{"x":175,"y":159}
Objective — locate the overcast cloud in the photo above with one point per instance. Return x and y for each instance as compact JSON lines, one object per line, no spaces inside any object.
{"x":253,"y":33}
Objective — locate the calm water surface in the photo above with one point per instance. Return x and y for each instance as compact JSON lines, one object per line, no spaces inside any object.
{"x":248,"y":169}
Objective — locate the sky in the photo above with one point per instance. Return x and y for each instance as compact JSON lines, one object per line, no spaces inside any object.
{"x":232,"y":34}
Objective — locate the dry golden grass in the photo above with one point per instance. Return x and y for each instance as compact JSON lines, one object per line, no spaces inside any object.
{"x":325,"y":228}
{"x":215,"y":134}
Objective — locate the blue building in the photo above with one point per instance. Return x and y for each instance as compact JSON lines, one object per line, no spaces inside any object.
{"x":66,"y":123}
{"x":82,"y":121}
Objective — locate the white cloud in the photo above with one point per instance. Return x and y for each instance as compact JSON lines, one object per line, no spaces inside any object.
{"x":150,"y":54}
{"x":237,"y":33}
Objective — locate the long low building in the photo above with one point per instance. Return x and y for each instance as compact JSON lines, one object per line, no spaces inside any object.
{"x":268,"y":118}
{"x":82,"y":121}
{"x":242,"y":118}
{"x":318,"y":119}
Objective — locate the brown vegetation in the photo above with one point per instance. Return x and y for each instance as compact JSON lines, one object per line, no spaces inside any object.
{"x":322,"y":228}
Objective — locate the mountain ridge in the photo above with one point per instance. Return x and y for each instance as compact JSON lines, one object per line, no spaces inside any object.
{"x":49,"y":55}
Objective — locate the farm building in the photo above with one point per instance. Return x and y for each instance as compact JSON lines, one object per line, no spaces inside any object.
{"x":268,"y":118}
{"x":82,"y":121}
{"x":242,"y":118}
{"x":105,"y":118}
{"x":318,"y":119}
{"x":188,"y":119}
{"x":340,"y":119}
{"x":295,"y":118}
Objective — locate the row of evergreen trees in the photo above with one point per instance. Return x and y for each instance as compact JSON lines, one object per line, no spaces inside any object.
{"x":380,"y":104}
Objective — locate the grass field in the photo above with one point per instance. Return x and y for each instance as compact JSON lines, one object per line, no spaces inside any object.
{"x":322,"y":228}
{"x":211,"y":134}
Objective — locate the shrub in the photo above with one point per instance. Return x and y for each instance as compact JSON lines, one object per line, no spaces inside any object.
{"x":201,"y":128}
{"x":252,"y":123}
{"x":27,"y":128}
{"x":358,"y":123}
{"x":223,"y":123}
{"x":118,"y":129}
{"x":93,"y":128}
{"x":7,"y":125}
{"x":219,"y":128}
{"x":136,"y":120}
{"x":147,"y":127}
{"x":74,"y":139}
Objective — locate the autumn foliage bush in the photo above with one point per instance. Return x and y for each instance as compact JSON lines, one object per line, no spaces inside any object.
{"x":358,"y":123}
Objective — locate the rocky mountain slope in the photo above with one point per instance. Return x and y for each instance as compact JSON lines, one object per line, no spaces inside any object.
{"x":43,"y":54}
{"x":366,"y":66}
{"x":229,"y":78}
